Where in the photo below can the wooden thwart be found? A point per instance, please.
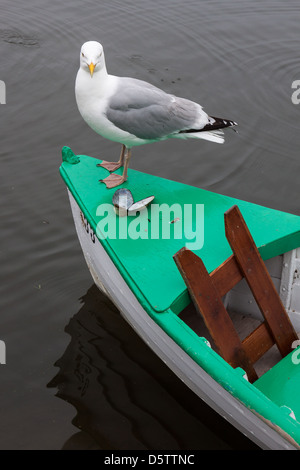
(207, 290)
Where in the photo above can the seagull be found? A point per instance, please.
(134, 112)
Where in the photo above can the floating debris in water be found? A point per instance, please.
(124, 204)
(17, 37)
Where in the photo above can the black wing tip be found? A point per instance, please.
(221, 123)
(213, 125)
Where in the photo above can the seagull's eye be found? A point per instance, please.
(82, 54)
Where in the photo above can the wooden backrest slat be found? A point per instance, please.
(207, 291)
(259, 280)
(208, 302)
(227, 275)
(258, 342)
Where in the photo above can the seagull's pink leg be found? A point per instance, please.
(113, 166)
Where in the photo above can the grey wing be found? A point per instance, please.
(149, 113)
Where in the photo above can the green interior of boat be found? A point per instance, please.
(282, 383)
(148, 267)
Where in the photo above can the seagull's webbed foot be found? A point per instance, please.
(110, 166)
(113, 180)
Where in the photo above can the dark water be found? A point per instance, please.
(77, 377)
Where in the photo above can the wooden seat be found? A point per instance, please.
(207, 290)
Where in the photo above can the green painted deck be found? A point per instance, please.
(147, 264)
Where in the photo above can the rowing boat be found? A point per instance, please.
(139, 262)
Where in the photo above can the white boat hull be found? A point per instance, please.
(108, 279)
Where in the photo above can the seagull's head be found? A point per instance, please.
(92, 57)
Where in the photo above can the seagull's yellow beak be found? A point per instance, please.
(92, 68)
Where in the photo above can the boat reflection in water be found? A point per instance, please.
(125, 397)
